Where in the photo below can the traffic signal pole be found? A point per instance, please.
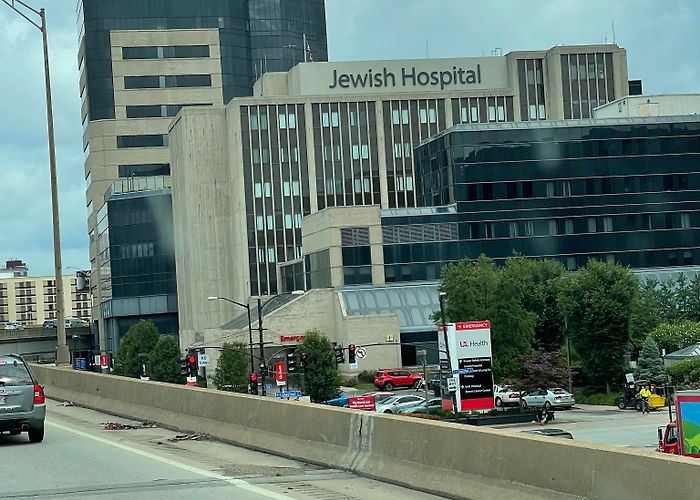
(263, 365)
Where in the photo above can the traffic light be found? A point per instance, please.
(339, 354)
(351, 354)
(254, 383)
(184, 366)
(303, 361)
(292, 362)
(192, 365)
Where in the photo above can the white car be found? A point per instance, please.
(14, 326)
(395, 403)
(504, 395)
(549, 398)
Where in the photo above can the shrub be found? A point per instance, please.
(687, 370)
(366, 376)
(348, 381)
(596, 398)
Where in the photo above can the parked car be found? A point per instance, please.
(504, 395)
(396, 403)
(549, 398)
(50, 323)
(72, 322)
(387, 379)
(14, 325)
(551, 433)
(433, 407)
(342, 400)
(22, 400)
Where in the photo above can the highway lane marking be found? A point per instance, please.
(239, 483)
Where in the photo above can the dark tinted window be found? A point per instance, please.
(144, 170)
(141, 141)
(168, 52)
(14, 373)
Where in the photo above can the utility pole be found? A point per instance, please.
(62, 351)
(263, 365)
(447, 349)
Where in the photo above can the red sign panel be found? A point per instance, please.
(365, 403)
(280, 372)
(292, 338)
(103, 360)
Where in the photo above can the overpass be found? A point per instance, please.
(443, 458)
(40, 343)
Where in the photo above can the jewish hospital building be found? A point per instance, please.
(339, 135)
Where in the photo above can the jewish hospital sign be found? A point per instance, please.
(470, 364)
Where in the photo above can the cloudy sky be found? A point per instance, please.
(661, 37)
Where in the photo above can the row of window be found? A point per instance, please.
(568, 226)
(263, 155)
(166, 81)
(575, 187)
(401, 117)
(144, 170)
(165, 52)
(551, 150)
(142, 141)
(270, 219)
(335, 153)
(271, 254)
(284, 120)
(261, 189)
(157, 110)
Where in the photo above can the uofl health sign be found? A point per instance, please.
(419, 76)
(470, 364)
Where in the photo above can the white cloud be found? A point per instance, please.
(662, 42)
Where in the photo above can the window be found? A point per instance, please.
(256, 156)
(287, 221)
(365, 151)
(397, 150)
(285, 188)
(337, 152)
(282, 118)
(295, 188)
(464, 114)
(259, 223)
(352, 118)
(492, 113)
(271, 254)
(395, 116)
(607, 224)
(475, 114)
(297, 220)
(165, 52)
(409, 183)
(550, 189)
(358, 186)
(334, 118)
(433, 115)
(325, 121)
(144, 170)
(263, 121)
(407, 150)
(253, 122)
(294, 154)
(355, 152)
(292, 120)
(501, 113)
(166, 81)
(270, 222)
(283, 154)
(591, 225)
(142, 141)
(423, 114)
(268, 190)
(265, 155)
(404, 116)
(533, 112)
(685, 220)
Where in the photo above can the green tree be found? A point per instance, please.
(596, 302)
(684, 371)
(650, 366)
(231, 372)
(164, 361)
(478, 290)
(674, 336)
(645, 312)
(539, 280)
(135, 347)
(321, 379)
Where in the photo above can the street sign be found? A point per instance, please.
(365, 403)
(191, 380)
(280, 373)
(103, 360)
(360, 352)
(288, 394)
(203, 360)
(451, 384)
(462, 371)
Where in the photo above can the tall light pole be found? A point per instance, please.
(62, 351)
(250, 328)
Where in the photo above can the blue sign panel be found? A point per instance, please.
(288, 394)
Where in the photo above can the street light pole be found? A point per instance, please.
(250, 328)
(62, 351)
(447, 348)
(263, 365)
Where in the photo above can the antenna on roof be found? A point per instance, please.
(613, 31)
(427, 50)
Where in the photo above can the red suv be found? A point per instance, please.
(386, 380)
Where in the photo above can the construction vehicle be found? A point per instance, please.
(631, 399)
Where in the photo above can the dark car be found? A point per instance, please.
(50, 323)
(22, 400)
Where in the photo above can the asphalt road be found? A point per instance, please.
(79, 459)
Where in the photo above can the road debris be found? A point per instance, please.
(186, 437)
(66, 403)
(118, 426)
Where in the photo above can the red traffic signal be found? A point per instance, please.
(254, 377)
(192, 359)
(351, 354)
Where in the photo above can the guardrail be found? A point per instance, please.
(39, 333)
(453, 460)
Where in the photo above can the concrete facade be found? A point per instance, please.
(317, 137)
(650, 105)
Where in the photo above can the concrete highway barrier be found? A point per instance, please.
(453, 460)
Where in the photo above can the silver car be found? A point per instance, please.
(548, 398)
(395, 403)
(22, 400)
